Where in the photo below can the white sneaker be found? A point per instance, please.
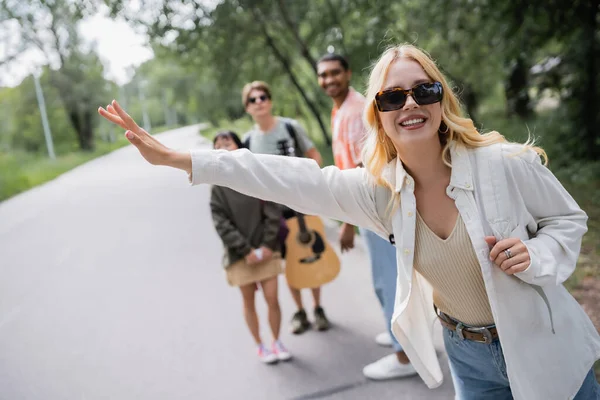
(384, 339)
(266, 356)
(388, 367)
(281, 352)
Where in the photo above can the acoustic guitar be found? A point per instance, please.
(310, 260)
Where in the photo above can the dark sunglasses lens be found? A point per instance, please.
(262, 97)
(428, 93)
(391, 101)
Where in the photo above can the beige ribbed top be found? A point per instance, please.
(451, 267)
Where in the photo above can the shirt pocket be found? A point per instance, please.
(520, 231)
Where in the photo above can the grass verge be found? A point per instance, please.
(20, 171)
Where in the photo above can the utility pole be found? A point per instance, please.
(166, 109)
(42, 106)
(123, 98)
(174, 116)
(146, 118)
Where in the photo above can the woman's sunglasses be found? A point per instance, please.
(395, 98)
(262, 97)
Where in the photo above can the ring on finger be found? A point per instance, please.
(508, 253)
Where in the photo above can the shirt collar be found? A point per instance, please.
(461, 175)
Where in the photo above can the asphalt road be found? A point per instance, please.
(111, 288)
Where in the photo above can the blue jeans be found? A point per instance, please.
(479, 371)
(384, 271)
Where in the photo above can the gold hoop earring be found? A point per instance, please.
(445, 130)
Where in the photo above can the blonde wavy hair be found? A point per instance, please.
(379, 150)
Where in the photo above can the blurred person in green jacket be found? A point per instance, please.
(249, 228)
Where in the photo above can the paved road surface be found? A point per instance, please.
(111, 288)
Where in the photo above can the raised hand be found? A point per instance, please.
(151, 149)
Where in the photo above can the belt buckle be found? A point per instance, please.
(459, 330)
(487, 335)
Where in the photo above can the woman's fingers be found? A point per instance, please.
(112, 110)
(147, 150)
(115, 119)
(517, 268)
(133, 138)
(115, 114)
(502, 245)
(158, 154)
(508, 263)
(129, 122)
(132, 125)
(519, 258)
(149, 147)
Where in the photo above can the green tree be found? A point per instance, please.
(498, 56)
(51, 27)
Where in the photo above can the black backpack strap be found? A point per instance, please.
(246, 143)
(292, 132)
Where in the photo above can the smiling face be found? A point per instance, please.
(259, 103)
(412, 124)
(333, 78)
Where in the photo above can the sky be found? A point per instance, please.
(119, 47)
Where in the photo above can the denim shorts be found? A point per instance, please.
(479, 371)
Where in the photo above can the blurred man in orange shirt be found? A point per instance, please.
(348, 133)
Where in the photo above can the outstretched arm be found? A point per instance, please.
(296, 182)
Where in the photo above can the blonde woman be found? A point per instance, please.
(485, 234)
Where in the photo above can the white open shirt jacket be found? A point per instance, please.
(549, 343)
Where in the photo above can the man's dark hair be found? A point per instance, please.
(335, 57)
